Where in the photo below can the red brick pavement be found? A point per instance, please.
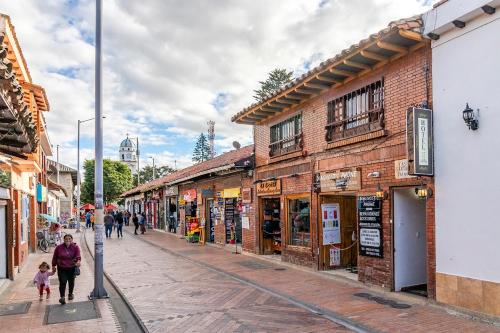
(326, 293)
(21, 290)
(172, 294)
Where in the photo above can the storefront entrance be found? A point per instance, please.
(337, 223)
(3, 242)
(271, 226)
(410, 242)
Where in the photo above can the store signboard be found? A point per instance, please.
(401, 169)
(370, 226)
(246, 195)
(207, 193)
(339, 180)
(330, 216)
(41, 193)
(419, 141)
(171, 191)
(189, 195)
(231, 192)
(270, 187)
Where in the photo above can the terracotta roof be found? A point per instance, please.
(342, 62)
(225, 159)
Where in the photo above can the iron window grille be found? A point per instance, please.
(358, 112)
(286, 136)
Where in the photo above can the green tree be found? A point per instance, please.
(146, 173)
(277, 78)
(117, 179)
(201, 151)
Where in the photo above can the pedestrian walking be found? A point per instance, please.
(142, 223)
(126, 218)
(119, 224)
(65, 260)
(41, 279)
(92, 221)
(109, 221)
(87, 219)
(135, 221)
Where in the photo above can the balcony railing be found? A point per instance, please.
(356, 125)
(285, 146)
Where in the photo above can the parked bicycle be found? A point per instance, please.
(47, 239)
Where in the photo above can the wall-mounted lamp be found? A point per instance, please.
(381, 194)
(374, 174)
(294, 175)
(423, 192)
(470, 118)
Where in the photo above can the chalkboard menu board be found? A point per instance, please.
(370, 226)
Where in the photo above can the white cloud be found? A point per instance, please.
(166, 62)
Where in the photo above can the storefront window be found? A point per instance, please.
(299, 222)
(25, 214)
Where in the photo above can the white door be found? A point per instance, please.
(3, 244)
(410, 239)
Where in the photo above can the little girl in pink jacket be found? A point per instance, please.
(41, 279)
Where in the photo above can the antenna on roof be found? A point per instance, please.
(211, 137)
(236, 145)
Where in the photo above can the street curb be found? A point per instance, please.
(327, 314)
(120, 293)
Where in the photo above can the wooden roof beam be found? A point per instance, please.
(283, 101)
(373, 56)
(323, 78)
(278, 104)
(294, 98)
(270, 109)
(411, 35)
(341, 72)
(356, 64)
(316, 86)
(391, 47)
(304, 91)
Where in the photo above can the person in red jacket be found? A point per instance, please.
(66, 258)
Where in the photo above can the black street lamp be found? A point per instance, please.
(470, 118)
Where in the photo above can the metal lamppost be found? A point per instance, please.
(154, 169)
(99, 291)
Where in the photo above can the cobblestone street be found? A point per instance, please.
(179, 287)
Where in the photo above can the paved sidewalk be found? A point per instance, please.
(329, 295)
(22, 290)
(172, 294)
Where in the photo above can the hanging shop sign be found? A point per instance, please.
(41, 193)
(419, 141)
(401, 169)
(339, 180)
(246, 195)
(330, 216)
(189, 195)
(270, 187)
(171, 191)
(370, 226)
(231, 192)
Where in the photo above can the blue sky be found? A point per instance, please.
(168, 69)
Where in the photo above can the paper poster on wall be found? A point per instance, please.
(334, 256)
(330, 216)
(245, 222)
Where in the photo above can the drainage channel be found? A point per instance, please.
(126, 315)
(324, 313)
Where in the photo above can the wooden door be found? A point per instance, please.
(348, 226)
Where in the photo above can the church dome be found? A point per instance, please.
(127, 143)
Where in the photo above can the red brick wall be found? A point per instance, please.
(404, 86)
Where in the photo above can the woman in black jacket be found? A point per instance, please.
(135, 220)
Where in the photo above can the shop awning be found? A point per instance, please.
(87, 207)
(49, 218)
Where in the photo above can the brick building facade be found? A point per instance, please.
(334, 137)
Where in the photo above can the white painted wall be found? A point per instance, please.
(466, 68)
(410, 239)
